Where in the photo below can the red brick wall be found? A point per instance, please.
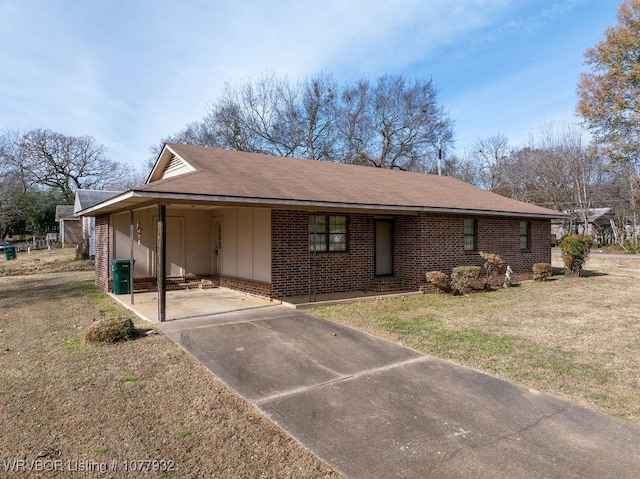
(438, 241)
(331, 272)
(255, 288)
(102, 252)
(421, 243)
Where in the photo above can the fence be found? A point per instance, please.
(38, 242)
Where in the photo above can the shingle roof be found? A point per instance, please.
(64, 212)
(88, 198)
(271, 179)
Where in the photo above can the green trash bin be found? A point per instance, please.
(121, 273)
(10, 252)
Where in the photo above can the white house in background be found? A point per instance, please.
(86, 199)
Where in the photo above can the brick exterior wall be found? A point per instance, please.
(436, 243)
(102, 252)
(254, 288)
(421, 243)
(293, 268)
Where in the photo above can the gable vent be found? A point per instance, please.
(176, 166)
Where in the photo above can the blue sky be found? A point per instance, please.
(129, 72)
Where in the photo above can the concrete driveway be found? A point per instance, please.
(374, 409)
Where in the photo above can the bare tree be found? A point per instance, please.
(392, 124)
(45, 158)
(556, 170)
(490, 155)
(317, 121)
(458, 167)
(258, 116)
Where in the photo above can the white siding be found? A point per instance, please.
(246, 239)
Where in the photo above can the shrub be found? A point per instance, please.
(631, 248)
(541, 271)
(462, 277)
(575, 251)
(494, 266)
(111, 330)
(440, 281)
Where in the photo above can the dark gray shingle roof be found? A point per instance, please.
(88, 198)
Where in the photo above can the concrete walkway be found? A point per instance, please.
(374, 409)
(191, 303)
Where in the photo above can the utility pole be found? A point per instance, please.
(439, 156)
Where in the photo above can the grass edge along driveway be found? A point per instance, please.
(140, 407)
(573, 338)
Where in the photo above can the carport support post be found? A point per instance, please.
(132, 260)
(161, 262)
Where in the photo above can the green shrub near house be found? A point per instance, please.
(575, 251)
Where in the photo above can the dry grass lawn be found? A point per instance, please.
(74, 406)
(43, 261)
(574, 338)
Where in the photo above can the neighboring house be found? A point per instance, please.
(600, 225)
(69, 225)
(86, 199)
(281, 227)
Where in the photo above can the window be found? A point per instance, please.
(470, 235)
(525, 235)
(327, 233)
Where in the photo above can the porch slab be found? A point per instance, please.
(192, 303)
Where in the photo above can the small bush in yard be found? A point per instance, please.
(575, 251)
(111, 330)
(541, 271)
(462, 277)
(440, 281)
(494, 266)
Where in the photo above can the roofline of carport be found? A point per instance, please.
(146, 198)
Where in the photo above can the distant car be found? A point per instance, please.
(4, 243)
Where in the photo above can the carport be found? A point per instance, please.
(192, 303)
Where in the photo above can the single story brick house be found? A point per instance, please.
(281, 227)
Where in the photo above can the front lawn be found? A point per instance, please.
(574, 338)
(141, 408)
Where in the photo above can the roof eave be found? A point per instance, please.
(144, 196)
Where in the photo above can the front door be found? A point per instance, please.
(384, 247)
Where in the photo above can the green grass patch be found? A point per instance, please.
(73, 345)
(504, 332)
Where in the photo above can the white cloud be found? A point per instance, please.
(129, 73)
